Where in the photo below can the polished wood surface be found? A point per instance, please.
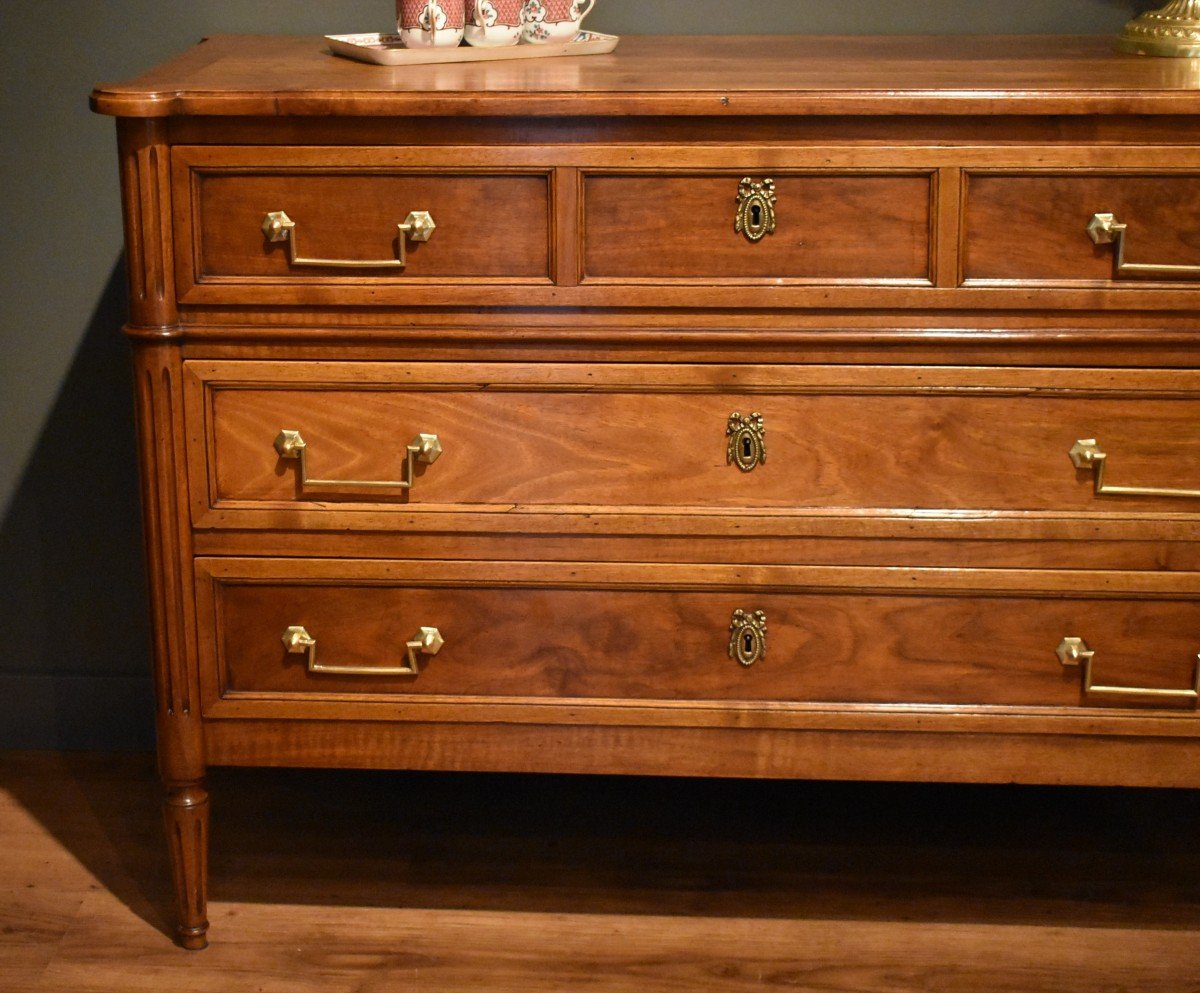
(927, 333)
(343, 216)
(830, 228)
(552, 643)
(655, 436)
(1010, 235)
(248, 75)
(345, 882)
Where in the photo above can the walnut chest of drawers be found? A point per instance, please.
(720, 407)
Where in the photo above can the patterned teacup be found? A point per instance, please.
(430, 23)
(554, 20)
(495, 22)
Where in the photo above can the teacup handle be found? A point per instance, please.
(480, 20)
(586, 9)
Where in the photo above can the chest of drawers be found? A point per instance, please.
(831, 413)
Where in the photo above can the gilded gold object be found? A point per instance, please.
(426, 448)
(1173, 31)
(418, 226)
(748, 637)
(746, 445)
(1086, 453)
(427, 641)
(1105, 229)
(1075, 652)
(756, 208)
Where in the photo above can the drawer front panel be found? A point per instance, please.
(658, 437)
(538, 633)
(1033, 228)
(348, 213)
(828, 228)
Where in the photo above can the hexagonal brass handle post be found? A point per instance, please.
(1105, 229)
(418, 226)
(1086, 453)
(1073, 651)
(424, 448)
(427, 641)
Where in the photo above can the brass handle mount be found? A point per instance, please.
(1105, 229)
(418, 226)
(426, 448)
(427, 641)
(748, 637)
(1086, 453)
(1073, 651)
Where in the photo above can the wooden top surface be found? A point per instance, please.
(718, 76)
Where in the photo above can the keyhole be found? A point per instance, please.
(747, 448)
(755, 215)
(748, 643)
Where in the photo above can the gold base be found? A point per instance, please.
(1173, 31)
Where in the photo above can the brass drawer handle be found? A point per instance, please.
(418, 226)
(1075, 651)
(1105, 229)
(748, 637)
(1087, 454)
(746, 446)
(423, 448)
(427, 641)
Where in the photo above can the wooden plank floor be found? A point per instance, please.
(372, 882)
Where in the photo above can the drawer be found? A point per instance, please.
(658, 438)
(828, 228)
(1035, 227)
(286, 632)
(337, 223)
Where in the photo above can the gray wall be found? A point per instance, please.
(73, 657)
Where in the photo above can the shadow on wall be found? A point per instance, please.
(74, 672)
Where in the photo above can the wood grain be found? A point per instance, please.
(1011, 236)
(536, 883)
(774, 76)
(672, 646)
(829, 228)
(926, 334)
(616, 441)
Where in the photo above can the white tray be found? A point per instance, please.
(386, 49)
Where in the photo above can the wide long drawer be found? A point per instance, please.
(329, 440)
(299, 636)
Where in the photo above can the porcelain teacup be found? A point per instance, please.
(495, 23)
(430, 23)
(554, 21)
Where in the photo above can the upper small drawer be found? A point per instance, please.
(1039, 228)
(814, 227)
(331, 226)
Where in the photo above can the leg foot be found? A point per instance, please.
(186, 815)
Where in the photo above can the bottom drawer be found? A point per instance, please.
(576, 633)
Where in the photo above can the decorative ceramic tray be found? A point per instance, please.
(386, 49)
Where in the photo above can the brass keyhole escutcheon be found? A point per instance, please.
(748, 637)
(756, 209)
(747, 446)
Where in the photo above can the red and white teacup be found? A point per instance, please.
(494, 23)
(554, 21)
(430, 23)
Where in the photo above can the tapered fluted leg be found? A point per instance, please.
(186, 814)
